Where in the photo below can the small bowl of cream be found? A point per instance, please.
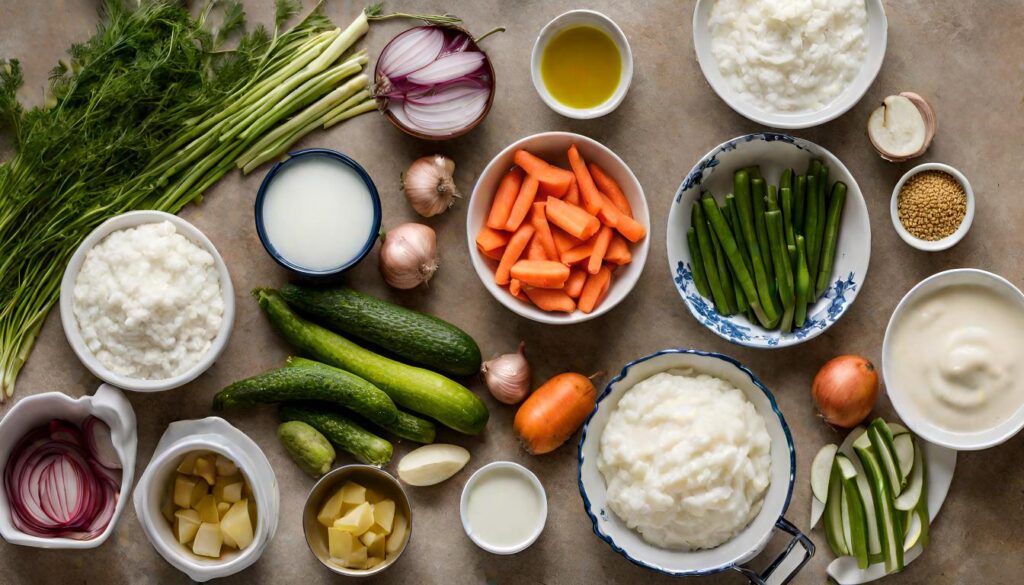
(318, 213)
(503, 508)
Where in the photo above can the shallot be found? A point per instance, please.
(429, 185)
(408, 257)
(508, 376)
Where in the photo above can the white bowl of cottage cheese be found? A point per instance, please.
(686, 467)
(147, 302)
(790, 63)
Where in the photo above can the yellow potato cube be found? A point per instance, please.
(373, 497)
(384, 514)
(357, 558)
(368, 538)
(237, 524)
(252, 508)
(205, 469)
(340, 544)
(225, 466)
(358, 521)
(398, 533)
(331, 510)
(183, 487)
(228, 542)
(167, 502)
(188, 463)
(375, 548)
(223, 482)
(207, 508)
(199, 491)
(353, 493)
(232, 492)
(186, 525)
(373, 562)
(222, 508)
(208, 540)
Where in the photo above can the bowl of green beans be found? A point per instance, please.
(768, 240)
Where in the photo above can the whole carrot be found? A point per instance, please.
(554, 412)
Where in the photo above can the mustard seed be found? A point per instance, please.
(931, 205)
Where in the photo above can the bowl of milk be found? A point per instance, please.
(318, 213)
(503, 508)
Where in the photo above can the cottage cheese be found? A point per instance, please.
(789, 55)
(686, 460)
(148, 302)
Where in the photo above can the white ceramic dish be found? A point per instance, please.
(877, 34)
(948, 241)
(774, 152)
(464, 501)
(107, 404)
(70, 322)
(553, 146)
(748, 543)
(582, 18)
(217, 435)
(908, 412)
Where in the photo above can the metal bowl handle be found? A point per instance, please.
(769, 576)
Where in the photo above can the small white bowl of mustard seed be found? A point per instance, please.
(932, 207)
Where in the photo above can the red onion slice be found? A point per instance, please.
(448, 68)
(421, 52)
(100, 443)
(448, 116)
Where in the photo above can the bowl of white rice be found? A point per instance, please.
(790, 63)
(686, 467)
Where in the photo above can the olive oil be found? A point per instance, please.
(581, 67)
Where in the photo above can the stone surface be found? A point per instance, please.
(964, 56)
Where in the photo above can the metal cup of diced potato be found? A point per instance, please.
(352, 502)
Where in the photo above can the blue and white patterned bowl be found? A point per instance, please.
(752, 539)
(774, 152)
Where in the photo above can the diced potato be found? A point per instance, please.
(222, 508)
(232, 492)
(398, 533)
(373, 497)
(331, 510)
(186, 525)
(353, 493)
(207, 508)
(384, 514)
(205, 469)
(237, 523)
(340, 544)
(252, 507)
(208, 540)
(376, 547)
(358, 520)
(228, 542)
(373, 562)
(183, 487)
(357, 558)
(368, 538)
(167, 502)
(223, 482)
(188, 462)
(225, 466)
(199, 491)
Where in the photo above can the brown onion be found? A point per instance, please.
(845, 389)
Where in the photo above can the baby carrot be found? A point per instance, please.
(539, 221)
(574, 285)
(609, 187)
(513, 251)
(553, 412)
(579, 253)
(626, 225)
(515, 287)
(535, 251)
(548, 299)
(591, 197)
(553, 180)
(601, 243)
(618, 251)
(494, 254)
(489, 239)
(541, 273)
(523, 204)
(504, 199)
(573, 196)
(574, 220)
(595, 289)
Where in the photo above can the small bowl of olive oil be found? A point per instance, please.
(582, 64)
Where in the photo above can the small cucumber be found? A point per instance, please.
(307, 447)
(365, 446)
(888, 523)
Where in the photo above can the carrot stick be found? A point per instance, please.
(504, 199)
(579, 253)
(573, 196)
(520, 295)
(595, 289)
(489, 239)
(494, 254)
(513, 251)
(548, 299)
(574, 285)
(553, 412)
(541, 273)
(523, 204)
(535, 251)
(574, 220)
(539, 221)
(591, 197)
(626, 225)
(608, 214)
(618, 251)
(563, 241)
(515, 286)
(601, 242)
(609, 187)
(553, 180)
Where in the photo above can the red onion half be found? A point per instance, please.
(57, 483)
(434, 82)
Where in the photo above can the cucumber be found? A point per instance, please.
(888, 523)
(405, 425)
(417, 389)
(834, 513)
(365, 446)
(307, 447)
(337, 386)
(855, 524)
(910, 497)
(415, 337)
(881, 440)
(904, 446)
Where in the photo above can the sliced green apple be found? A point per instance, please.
(904, 446)
(888, 523)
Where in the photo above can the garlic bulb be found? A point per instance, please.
(508, 376)
(408, 257)
(902, 128)
(429, 186)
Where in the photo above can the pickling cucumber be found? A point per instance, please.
(308, 447)
(417, 389)
(415, 337)
(365, 446)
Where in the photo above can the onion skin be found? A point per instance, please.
(845, 390)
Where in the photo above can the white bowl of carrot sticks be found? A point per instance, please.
(558, 228)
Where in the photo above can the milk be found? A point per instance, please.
(504, 508)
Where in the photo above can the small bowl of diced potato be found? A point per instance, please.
(357, 520)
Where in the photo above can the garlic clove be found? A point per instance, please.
(897, 129)
(929, 117)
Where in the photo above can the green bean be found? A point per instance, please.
(828, 246)
(700, 278)
(707, 252)
(787, 318)
(754, 171)
(786, 197)
(758, 196)
(811, 222)
(786, 182)
(724, 275)
(819, 240)
(780, 256)
(799, 191)
(732, 253)
(728, 210)
(772, 200)
(803, 282)
(741, 188)
(734, 225)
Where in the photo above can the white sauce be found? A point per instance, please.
(686, 460)
(789, 55)
(957, 353)
(148, 302)
(318, 213)
(503, 508)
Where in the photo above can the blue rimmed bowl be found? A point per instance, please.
(774, 153)
(731, 555)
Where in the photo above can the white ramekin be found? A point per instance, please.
(464, 507)
(948, 241)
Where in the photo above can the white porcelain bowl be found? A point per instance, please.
(107, 404)
(582, 18)
(553, 146)
(948, 241)
(905, 407)
(751, 540)
(877, 33)
(217, 435)
(70, 322)
(464, 505)
(774, 152)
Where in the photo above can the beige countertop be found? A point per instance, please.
(963, 56)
